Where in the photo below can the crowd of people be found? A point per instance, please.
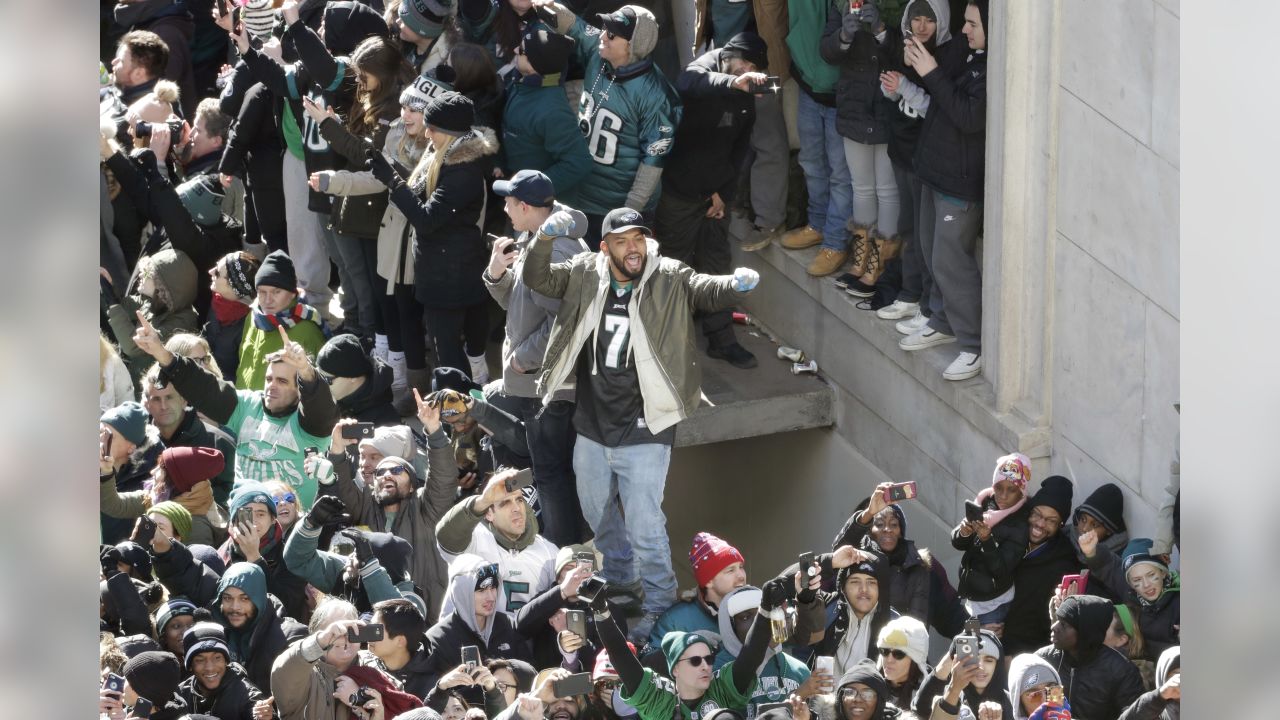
(317, 514)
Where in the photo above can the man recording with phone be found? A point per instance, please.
(377, 568)
(880, 520)
(499, 526)
(557, 620)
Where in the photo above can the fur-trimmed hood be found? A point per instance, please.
(479, 143)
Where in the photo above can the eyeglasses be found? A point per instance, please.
(286, 498)
(390, 470)
(865, 694)
(1044, 520)
(610, 34)
(697, 660)
(502, 687)
(896, 653)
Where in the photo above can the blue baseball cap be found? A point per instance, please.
(528, 186)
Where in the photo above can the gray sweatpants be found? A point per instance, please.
(948, 230)
(305, 232)
(917, 283)
(769, 169)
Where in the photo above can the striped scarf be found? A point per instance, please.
(288, 318)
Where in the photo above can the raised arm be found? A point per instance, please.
(206, 392)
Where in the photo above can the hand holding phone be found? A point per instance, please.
(470, 656)
(357, 431)
(519, 480)
(972, 511)
(900, 491)
(576, 684)
(807, 564)
(144, 531)
(366, 633)
(141, 708)
(576, 622)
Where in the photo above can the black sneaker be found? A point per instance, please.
(858, 289)
(735, 354)
(844, 281)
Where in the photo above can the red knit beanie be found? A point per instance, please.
(709, 555)
(186, 466)
(394, 701)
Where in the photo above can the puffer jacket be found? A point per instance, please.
(662, 328)
(951, 155)
(986, 568)
(449, 251)
(1098, 681)
(863, 113)
(530, 315)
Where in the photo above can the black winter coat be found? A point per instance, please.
(532, 622)
(1034, 579)
(447, 637)
(371, 402)
(986, 568)
(1156, 619)
(909, 573)
(233, 700)
(417, 676)
(714, 134)
(1098, 681)
(904, 122)
(358, 215)
(863, 113)
(951, 156)
(254, 147)
(449, 252)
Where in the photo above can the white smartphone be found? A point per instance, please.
(826, 664)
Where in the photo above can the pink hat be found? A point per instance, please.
(1014, 467)
(604, 667)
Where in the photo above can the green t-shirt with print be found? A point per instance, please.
(656, 698)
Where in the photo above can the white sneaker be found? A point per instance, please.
(479, 369)
(925, 337)
(965, 366)
(912, 324)
(898, 310)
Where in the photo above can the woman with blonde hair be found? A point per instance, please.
(114, 383)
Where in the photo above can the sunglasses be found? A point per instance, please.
(610, 34)
(391, 470)
(896, 653)
(286, 498)
(697, 660)
(865, 695)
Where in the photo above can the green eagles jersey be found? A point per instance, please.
(273, 448)
(656, 698)
(628, 121)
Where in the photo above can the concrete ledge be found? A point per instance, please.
(973, 399)
(764, 400)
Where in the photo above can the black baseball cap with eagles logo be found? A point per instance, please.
(620, 22)
(623, 219)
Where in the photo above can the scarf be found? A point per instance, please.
(227, 311)
(288, 318)
(993, 517)
(394, 700)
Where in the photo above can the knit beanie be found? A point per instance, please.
(1138, 559)
(1016, 468)
(984, 12)
(567, 553)
(176, 607)
(447, 378)
(250, 492)
(676, 642)
(392, 441)
(153, 675)
(134, 645)
(633, 23)
(240, 273)
(208, 556)
(604, 666)
(277, 271)
(451, 113)
(709, 555)
(909, 635)
(178, 516)
(1106, 505)
(1054, 492)
(418, 94)
(392, 552)
(204, 637)
(873, 567)
(186, 466)
(347, 24)
(129, 419)
(750, 47)
(202, 196)
(548, 52)
(134, 555)
(343, 356)
(427, 17)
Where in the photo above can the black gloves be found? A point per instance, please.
(870, 15)
(849, 26)
(325, 511)
(381, 167)
(364, 551)
(777, 591)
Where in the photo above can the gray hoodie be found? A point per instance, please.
(1027, 670)
(462, 591)
(530, 315)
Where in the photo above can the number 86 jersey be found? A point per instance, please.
(628, 118)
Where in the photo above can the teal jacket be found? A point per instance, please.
(686, 616)
(540, 132)
(304, 558)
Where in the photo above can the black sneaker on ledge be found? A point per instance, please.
(734, 354)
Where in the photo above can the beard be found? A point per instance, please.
(391, 498)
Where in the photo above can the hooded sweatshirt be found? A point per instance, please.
(1098, 680)
(1151, 706)
(256, 645)
(169, 309)
(457, 626)
(1027, 671)
(779, 675)
(849, 639)
(526, 565)
(912, 100)
(865, 672)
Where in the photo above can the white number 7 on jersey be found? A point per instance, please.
(620, 326)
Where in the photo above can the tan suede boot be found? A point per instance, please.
(858, 247)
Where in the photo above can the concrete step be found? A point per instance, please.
(763, 400)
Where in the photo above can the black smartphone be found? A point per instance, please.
(770, 84)
(585, 558)
(366, 632)
(522, 479)
(244, 517)
(114, 683)
(311, 450)
(806, 564)
(576, 684)
(576, 622)
(972, 511)
(470, 656)
(358, 431)
(591, 587)
(141, 708)
(145, 531)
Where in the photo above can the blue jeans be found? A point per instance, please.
(621, 493)
(826, 173)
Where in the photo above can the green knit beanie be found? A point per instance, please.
(179, 516)
(676, 642)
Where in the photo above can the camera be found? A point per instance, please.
(360, 697)
(142, 129)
